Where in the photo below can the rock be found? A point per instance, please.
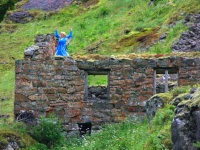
(185, 126)
(162, 37)
(20, 17)
(181, 126)
(127, 31)
(152, 105)
(4, 116)
(46, 5)
(187, 18)
(95, 92)
(31, 50)
(180, 98)
(189, 41)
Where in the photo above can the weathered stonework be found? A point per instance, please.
(47, 84)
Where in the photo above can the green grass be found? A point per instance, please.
(132, 134)
(105, 24)
(120, 136)
(97, 30)
(7, 94)
(94, 80)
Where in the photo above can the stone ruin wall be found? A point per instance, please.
(46, 84)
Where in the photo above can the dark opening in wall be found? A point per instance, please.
(97, 85)
(165, 79)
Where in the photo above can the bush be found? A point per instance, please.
(196, 145)
(38, 146)
(179, 90)
(48, 131)
(6, 5)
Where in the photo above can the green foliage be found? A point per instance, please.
(104, 11)
(38, 146)
(196, 145)
(98, 80)
(163, 116)
(48, 131)
(179, 90)
(160, 137)
(6, 5)
(126, 135)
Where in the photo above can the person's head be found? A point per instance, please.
(63, 34)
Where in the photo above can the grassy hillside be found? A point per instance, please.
(110, 27)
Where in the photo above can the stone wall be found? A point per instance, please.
(47, 84)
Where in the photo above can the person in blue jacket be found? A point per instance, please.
(63, 41)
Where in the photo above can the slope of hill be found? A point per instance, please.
(107, 27)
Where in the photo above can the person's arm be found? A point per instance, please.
(56, 33)
(70, 34)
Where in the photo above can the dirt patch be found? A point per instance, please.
(149, 37)
(91, 2)
(142, 39)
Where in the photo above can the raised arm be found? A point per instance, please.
(70, 34)
(56, 33)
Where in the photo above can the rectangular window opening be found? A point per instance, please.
(97, 85)
(165, 79)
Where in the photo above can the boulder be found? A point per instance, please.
(47, 5)
(31, 50)
(185, 126)
(153, 104)
(20, 17)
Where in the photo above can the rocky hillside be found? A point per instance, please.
(190, 40)
(185, 131)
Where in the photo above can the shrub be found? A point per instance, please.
(48, 131)
(179, 90)
(38, 146)
(196, 145)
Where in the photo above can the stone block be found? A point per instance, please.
(57, 63)
(21, 98)
(38, 83)
(38, 97)
(53, 97)
(72, 112)
(120, 104)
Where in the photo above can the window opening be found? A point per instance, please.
(165, 79)
(97, 85)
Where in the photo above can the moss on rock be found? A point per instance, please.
(15, 139)
(179, 98)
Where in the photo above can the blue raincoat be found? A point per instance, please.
(61, 49)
